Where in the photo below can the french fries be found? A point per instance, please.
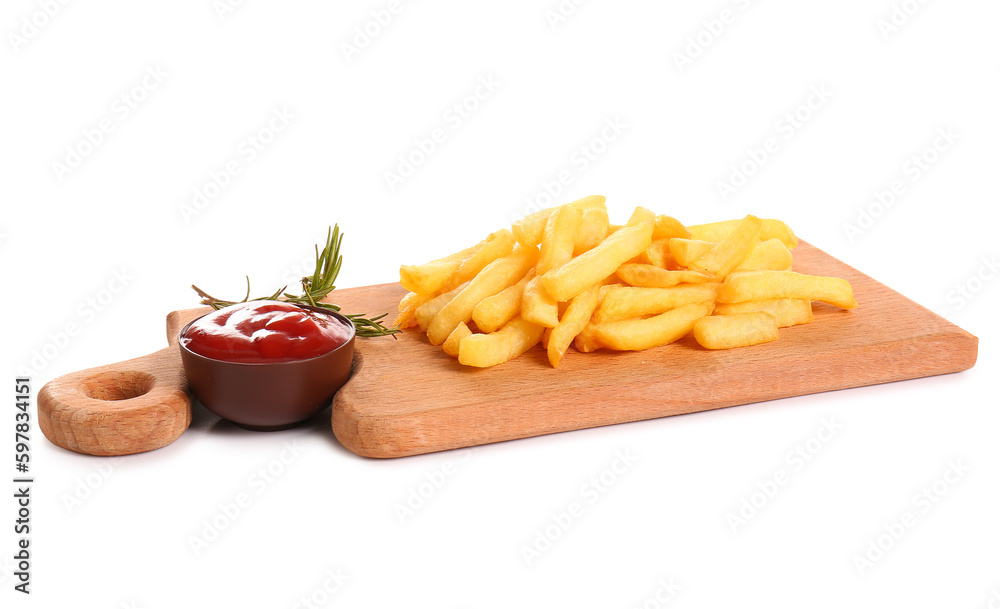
(494, 311)
(485, 350)
(787, 311)
(686, 251)
(649, 276)
(593, 229)
(537, 306)
(573, 321)
(426, 312)
(594, 266)
(453, 343)
(567, 276)
(626, 302)
(760, 285)
(408, 309)
(731, 251)
(530, 230)
(559, 238)
(497, 245)
(770, 255)
(429, 278)
(658, 254)
(770, 229)
(496, 276)
(662, 329)
(736, 330)
(666, 227)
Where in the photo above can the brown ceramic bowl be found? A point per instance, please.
(269, 396)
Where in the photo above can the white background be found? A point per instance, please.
(117, 533)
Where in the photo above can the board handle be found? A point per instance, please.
(121, 409)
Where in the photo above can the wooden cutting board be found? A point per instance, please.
(407, 397)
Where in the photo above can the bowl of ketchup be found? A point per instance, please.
(267, 365)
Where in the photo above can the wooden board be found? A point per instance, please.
(410, 397)
(407, 397)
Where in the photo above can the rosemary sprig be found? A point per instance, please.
(314, 289)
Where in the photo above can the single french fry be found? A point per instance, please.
(559, 238)
(658, 254)
(736, 330)
(431, 277)
(573, 321)
(649, 276)
(623, 302)
(593, 229)
(408, 309)
(642, 216)
(594, 266)
(731, 251)
(529, 230)
(668, 228)
(484, 350)
(497, 245)
(586, 340)
(537, 306)
(770, 255)
(770, 229)
(761, 285)
(787, 311)
(494, 311)
(662, 329)
(426, 312)
(451, 345)
(686, 251)
(497, 275)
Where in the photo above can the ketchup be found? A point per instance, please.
(265, 331)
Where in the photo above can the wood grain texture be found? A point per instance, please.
(407, 397)
(119, 409)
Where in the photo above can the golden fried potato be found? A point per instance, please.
(537, 306)
(736, 330)
(594, 266)
(497, 245)
(686, 251)
(662, 329)
(593, 229)
(770, 229)
(567, 275)
(731, 251)
(431, 277)
(484, 350)
(761, 285)
(408, 309)
(586, 341)
(649, 276)
(426, 312)
(494, 311)
(573, 321)
(787, 311)
(667, 228)
(770, 255)
(559, 238)
(658, 254)
(451, 345)
(623, 302)
(530, 230)
(497, 275)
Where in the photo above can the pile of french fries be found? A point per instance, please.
(565, 276)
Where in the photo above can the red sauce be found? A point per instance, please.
(265, 331)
